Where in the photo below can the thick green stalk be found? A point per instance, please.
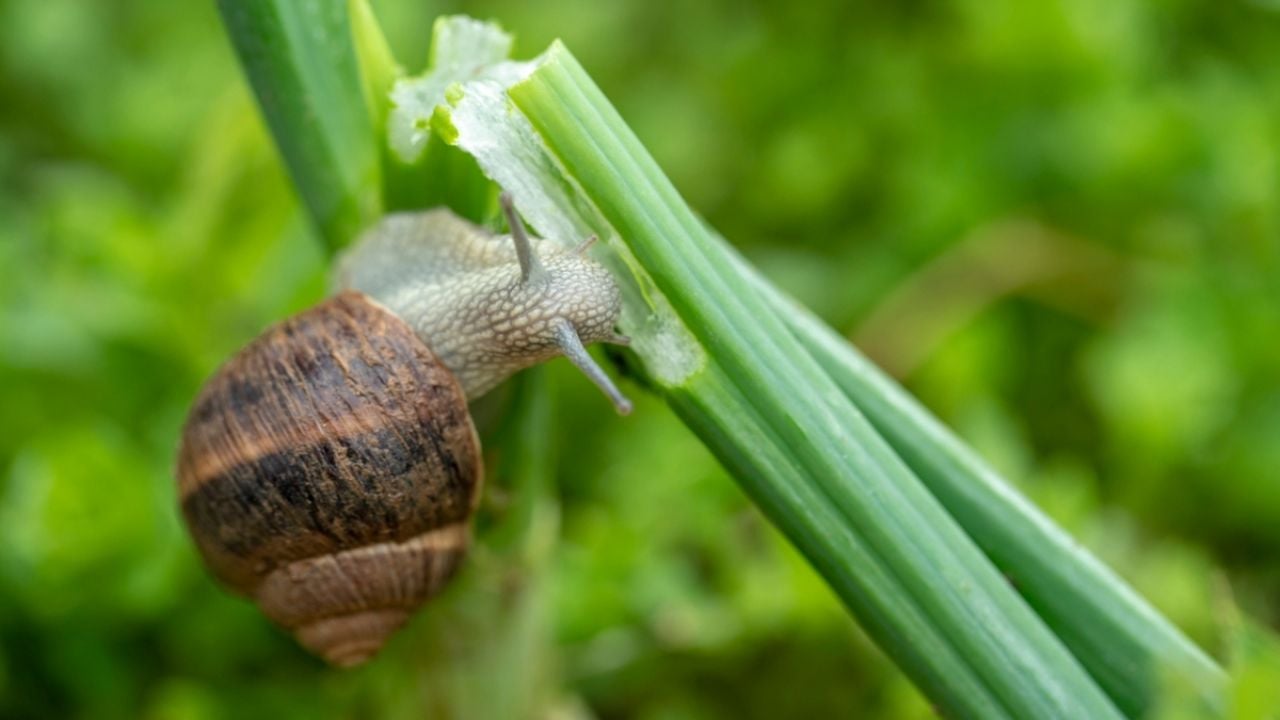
(1123, 642)
(299, 58)
(728, 423)
(806, 455)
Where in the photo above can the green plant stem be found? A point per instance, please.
(803, 452)
(299, 58)
(1123, 642)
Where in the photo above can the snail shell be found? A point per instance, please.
(328, 471)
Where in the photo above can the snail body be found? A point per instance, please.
(487, 308)
(329, 470)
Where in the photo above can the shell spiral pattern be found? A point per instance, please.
(329, 471)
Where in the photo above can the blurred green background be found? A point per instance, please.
(1057, 222)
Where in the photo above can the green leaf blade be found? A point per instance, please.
(299, 58)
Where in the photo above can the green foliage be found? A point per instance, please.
(864, 156)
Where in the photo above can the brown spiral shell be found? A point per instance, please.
(329, 471)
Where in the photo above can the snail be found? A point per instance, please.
(329, 470)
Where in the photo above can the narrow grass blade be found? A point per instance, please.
(299, 58)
